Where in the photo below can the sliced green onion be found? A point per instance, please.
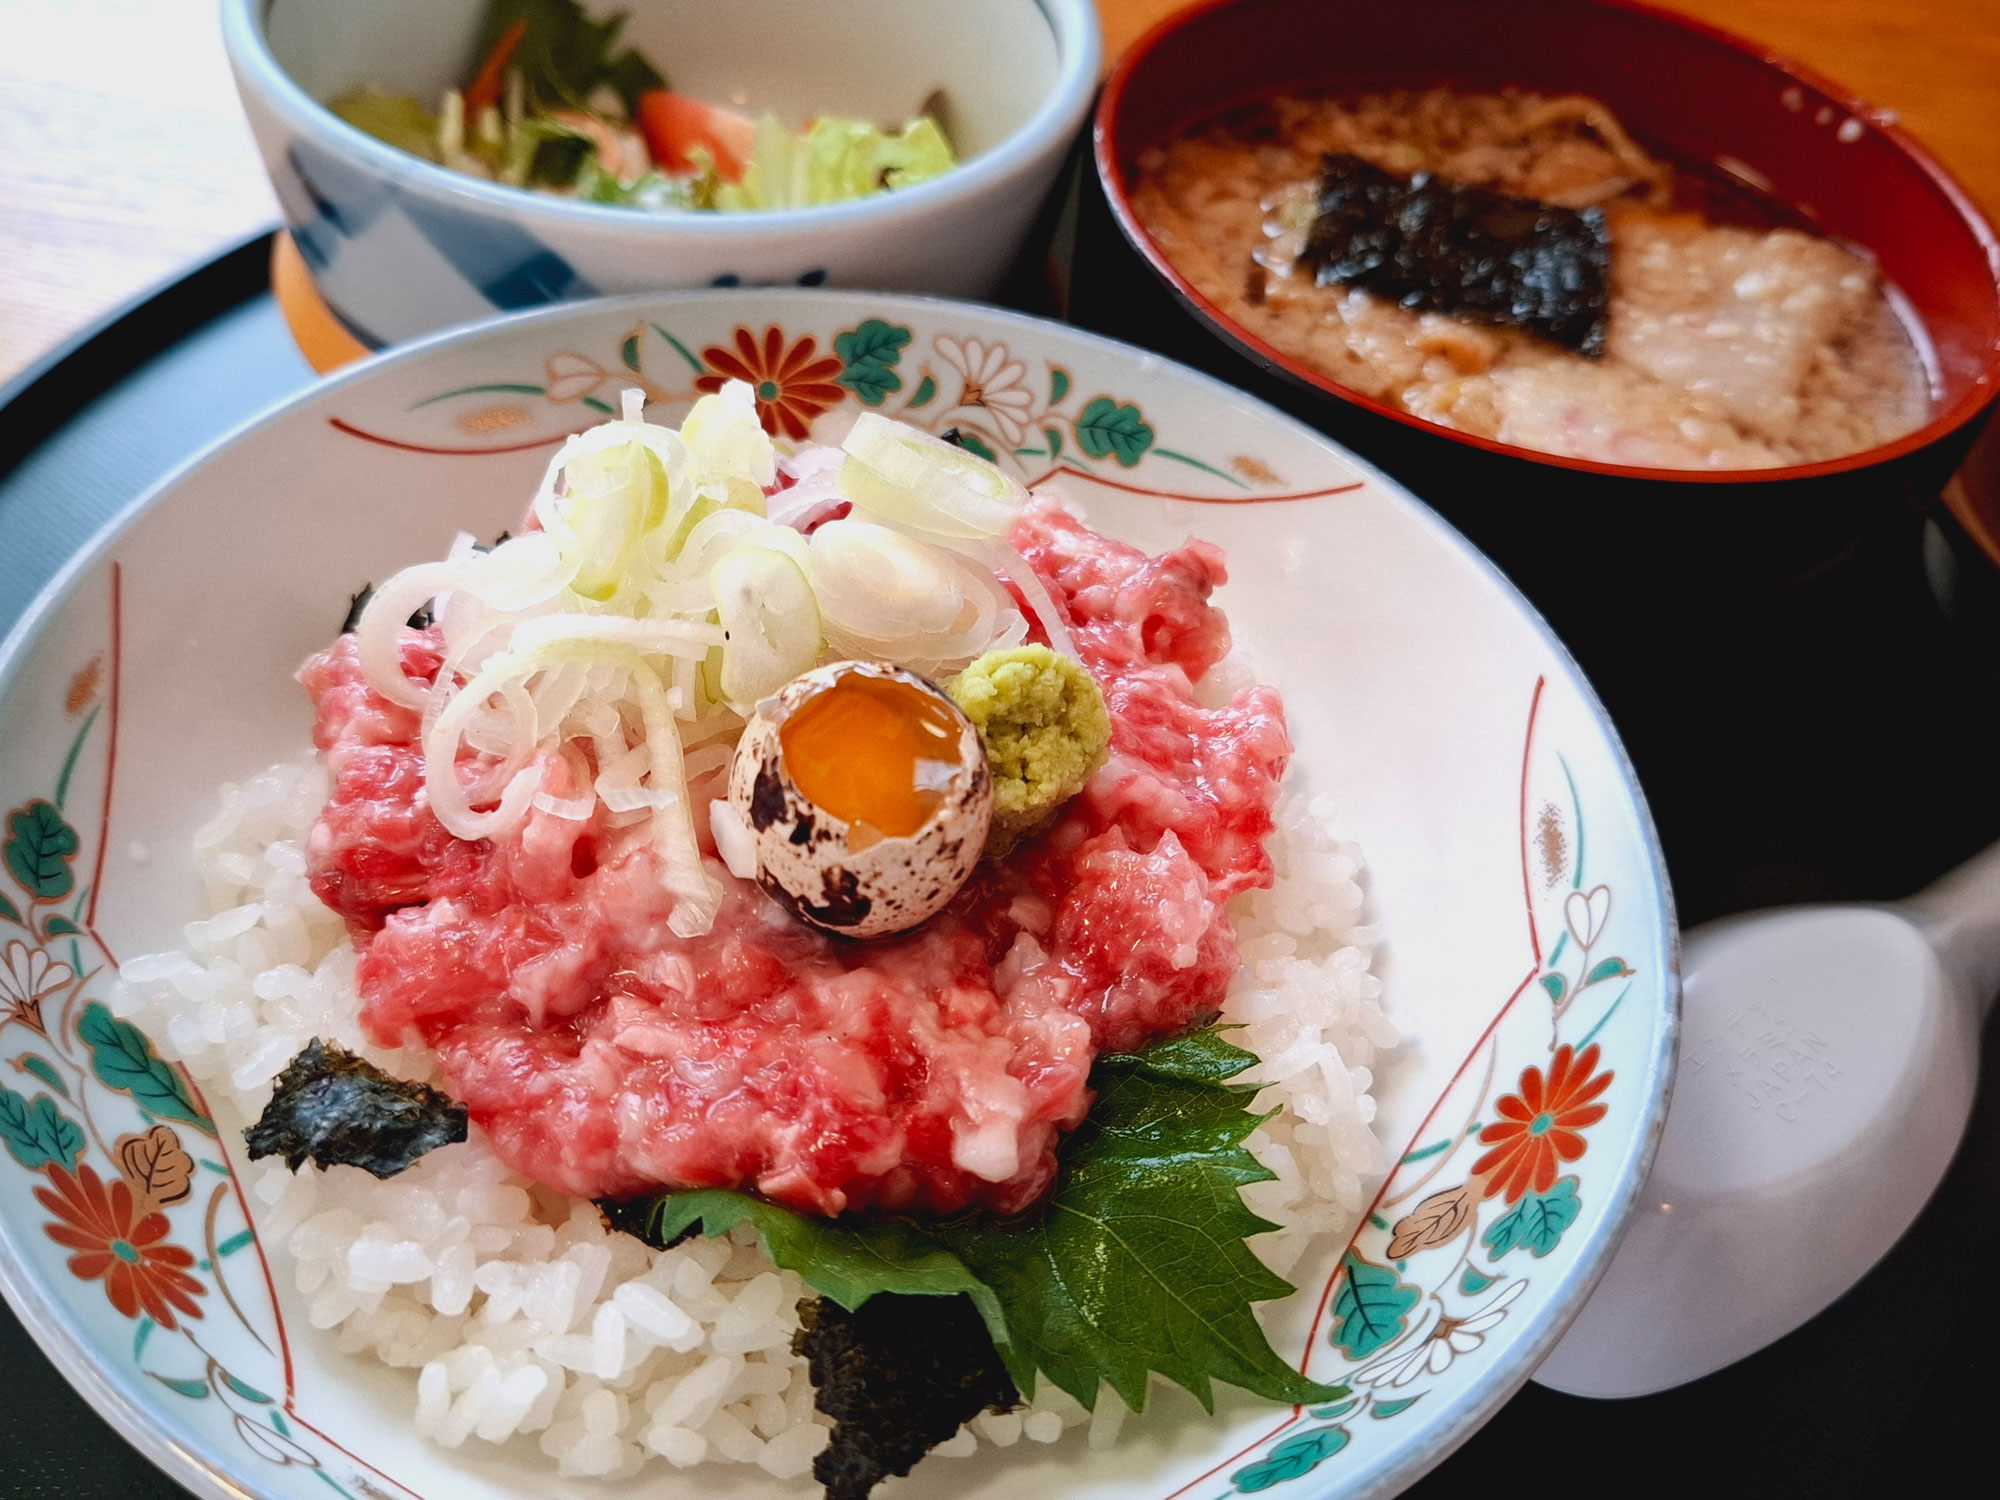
(690, 638)
(767, 606)
(615, 496)
(878, 582)
(926, 484)
(725, 436)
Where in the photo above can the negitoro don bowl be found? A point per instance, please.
(1513, 874)
(399, 246)
(1683, 88)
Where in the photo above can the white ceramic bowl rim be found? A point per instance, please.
(1079, 45)
(120, 1406)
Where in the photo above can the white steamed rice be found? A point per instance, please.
(522, 1315)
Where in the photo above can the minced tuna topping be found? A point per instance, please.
(934, 1071)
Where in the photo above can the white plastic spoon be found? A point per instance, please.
(1827, 1062)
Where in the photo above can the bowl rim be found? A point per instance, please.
(79, 1361)
(1984, 391)
(1073, 24)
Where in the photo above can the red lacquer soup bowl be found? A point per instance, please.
(1695, 94)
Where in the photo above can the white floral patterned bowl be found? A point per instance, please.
(399, 246)
(1512, 870)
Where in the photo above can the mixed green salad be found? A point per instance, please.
(558, 106)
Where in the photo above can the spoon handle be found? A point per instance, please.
(1960, 914)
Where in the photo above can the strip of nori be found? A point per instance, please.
(632, 1216)
(356, 603)
(1426, 242)
(337, 1110)
(419, 620)
(899, 1376)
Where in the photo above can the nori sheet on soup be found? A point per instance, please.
(334, 1109)
(898, 1376)
(1426, 242)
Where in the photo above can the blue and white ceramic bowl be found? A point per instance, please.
(400, 246)
(1526, 933)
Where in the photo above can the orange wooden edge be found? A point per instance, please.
(1975, 519)
(318, 333)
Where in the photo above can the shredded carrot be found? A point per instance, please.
(484, 92)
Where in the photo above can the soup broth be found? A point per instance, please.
(1735, 338)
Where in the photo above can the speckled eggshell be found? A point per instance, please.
(802, 854)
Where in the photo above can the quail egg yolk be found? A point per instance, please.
(873, 751)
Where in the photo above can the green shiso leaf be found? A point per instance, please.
(848, 1259)
(1136, 1263)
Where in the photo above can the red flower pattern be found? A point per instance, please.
(122, 1242)
(1538, 1127)
(792, 386)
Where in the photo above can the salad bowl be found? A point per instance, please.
(1527, 946)
(399, 246)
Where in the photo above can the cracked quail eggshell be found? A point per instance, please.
(803, 854)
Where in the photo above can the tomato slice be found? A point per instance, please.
(675, 124)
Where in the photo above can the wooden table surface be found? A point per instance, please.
(124, 156)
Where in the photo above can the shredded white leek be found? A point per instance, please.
(378, 637)
(598, 664)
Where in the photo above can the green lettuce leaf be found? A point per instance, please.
(1135, 1264)
(837, 160)
(852, 158)
(396, 119)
